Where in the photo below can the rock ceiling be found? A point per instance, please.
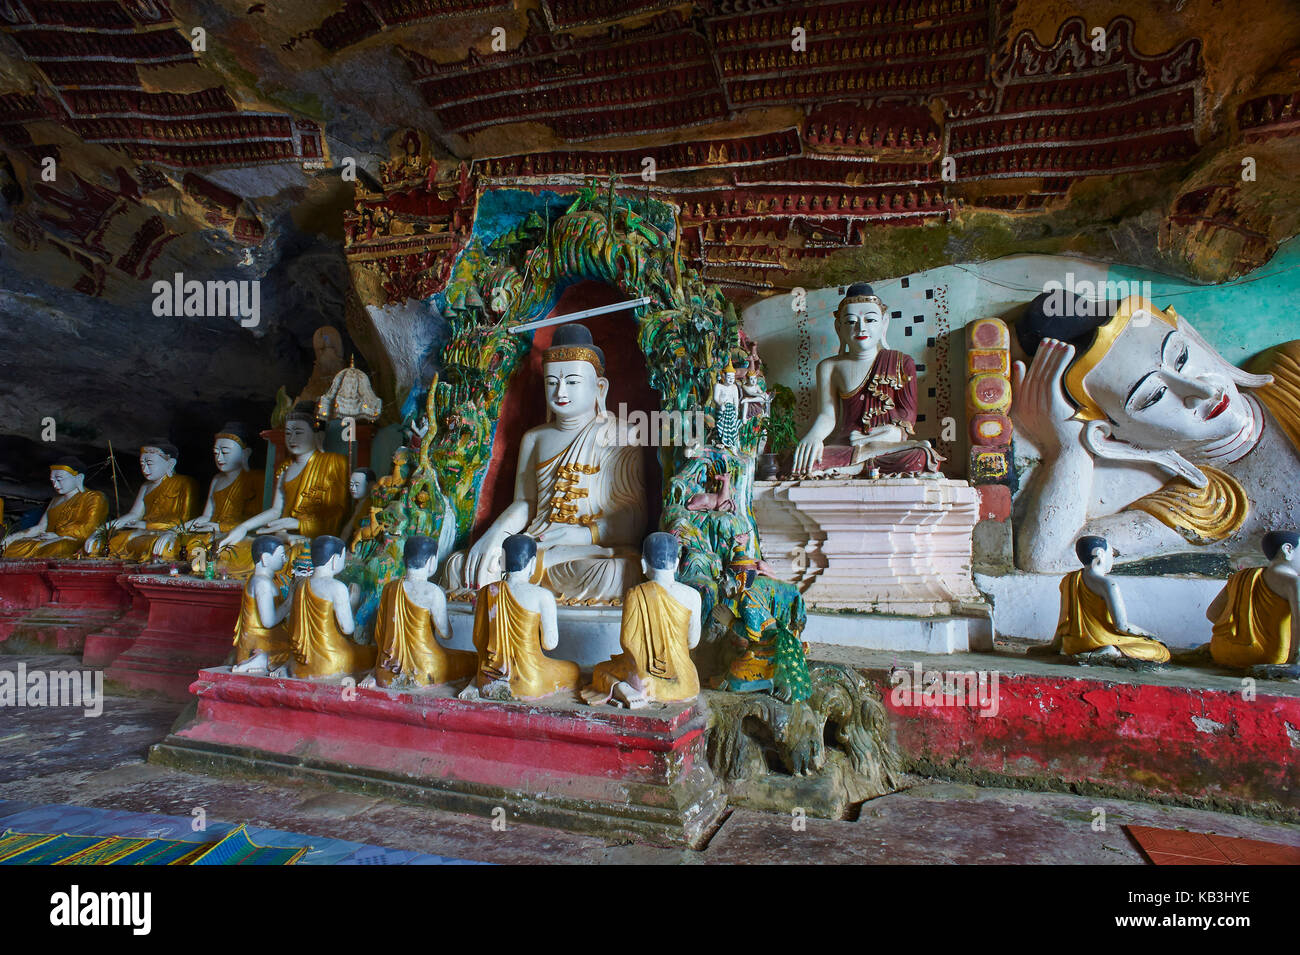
(803, 142)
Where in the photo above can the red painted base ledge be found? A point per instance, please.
(1213, 748)
(85, 597)
(584, 768)
(190, 626)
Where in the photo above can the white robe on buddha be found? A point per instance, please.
(597, 475)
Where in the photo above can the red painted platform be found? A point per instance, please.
(1080, 731)
(85, 597)
(23, 588)
(641, 775)
(191, 626)
(105, 645)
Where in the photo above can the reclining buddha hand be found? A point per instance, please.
(1041, 408)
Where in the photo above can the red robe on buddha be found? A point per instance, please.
(887, 396)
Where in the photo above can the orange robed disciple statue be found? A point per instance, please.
(661, 624)
(1255, 616)
(311, 497)
(412, 614)
(1094, 625)
(321, 620)
(234, 495)
(165, 502)
(71, 518)
(261, 632)
(514, 622)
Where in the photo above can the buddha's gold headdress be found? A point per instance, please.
(857, 293)
(233, 431)
(1103, 341)
(573, 343)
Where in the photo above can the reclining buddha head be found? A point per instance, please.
(861, 320)
(573, 376)
(158, 460)
(1149, 386)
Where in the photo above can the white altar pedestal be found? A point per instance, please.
(891, 555)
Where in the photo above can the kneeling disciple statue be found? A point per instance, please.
(234, 495)
(412, 614)
(261, 633)
(514, 622)
(1256, 614)
(321, 619)
(165, 502)
(1094, 625)
(70, 519)
(866, 401)
(579, 489)
(661, 625)
(311, 496)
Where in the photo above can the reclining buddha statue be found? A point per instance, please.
(579, 489)
(1147, 436)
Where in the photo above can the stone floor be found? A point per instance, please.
(54, 755)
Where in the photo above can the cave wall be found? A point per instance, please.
(337, 153)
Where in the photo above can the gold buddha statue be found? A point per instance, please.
(1094, 625)
(67, 523)
(1255, 616)
(261, 632)
(661, 624)
(412, 614)
(166, 501)
(311, 497)
(514, 622)
(321, 620)
(234, 495)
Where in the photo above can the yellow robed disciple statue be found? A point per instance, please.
(412, 614)
(579, 489)
(514, 622)
(71, 518)
(661, 625)
(234, 495)
(1094, 625)
(1255, 616)
(311, 497)
(321, 620)
(262, 631)
(165, 502)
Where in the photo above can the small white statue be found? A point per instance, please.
(350, 396)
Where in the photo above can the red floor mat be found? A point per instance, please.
(1179, 847)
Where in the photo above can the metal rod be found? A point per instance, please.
(585, 313)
